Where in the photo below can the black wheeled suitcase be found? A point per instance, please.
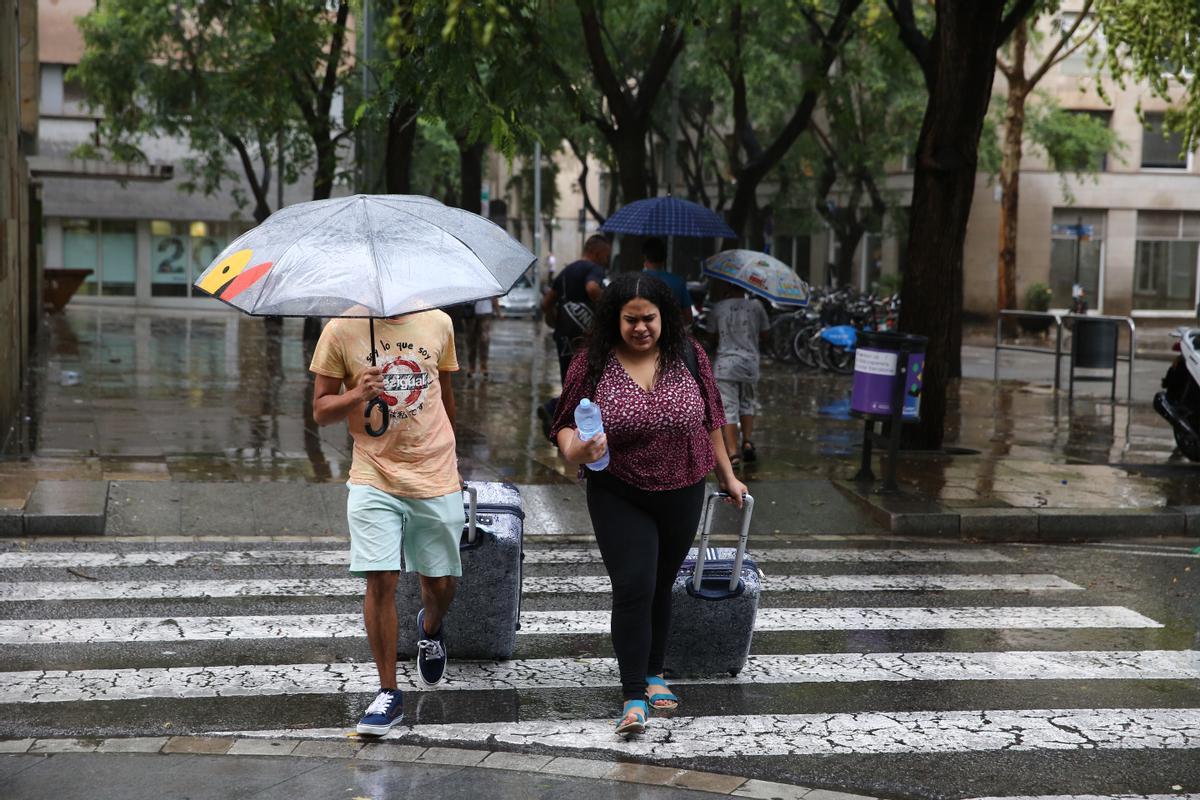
(483, 619)
(714, 604)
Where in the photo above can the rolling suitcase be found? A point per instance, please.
(714, 603)
(483, 619)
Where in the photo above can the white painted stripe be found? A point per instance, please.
(61, 686)
(1096, 797)
(27, 591)
(562, 623)
(1106, 548)
(864, 733)
(273, 558)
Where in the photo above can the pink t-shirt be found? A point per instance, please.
(657, 440)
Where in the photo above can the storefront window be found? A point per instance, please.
(80, 251)
(1165, 264)
(118, 257)
(168, 259)
(208, 240)
(1076, 255)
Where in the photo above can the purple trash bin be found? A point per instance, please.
(876, 357)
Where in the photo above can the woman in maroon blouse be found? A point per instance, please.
(662, 428)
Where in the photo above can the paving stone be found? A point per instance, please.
(63, 746)
(765, 790)
(200, 745)
(998, 524)
(133, 744)
(66, 508)
(143, 508)
(15, 745)
(825, 794)
(577, 767)
(319, 749)
(385, 751)
(642, 773)
(217, 507)
(262, 747)
(288, 508)
(453, 756)
(707, 781)
(12, 522)
(517, 761)
(1072, 524)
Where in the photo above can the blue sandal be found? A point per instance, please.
(670, 701)
(637, 725)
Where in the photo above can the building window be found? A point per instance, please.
(1104, 118)
(1076, 255)
(1161, 150)
(1077, 62)
(108, 248)
(1165, 263)
(180, 251)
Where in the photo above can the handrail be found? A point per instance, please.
(1057, 352)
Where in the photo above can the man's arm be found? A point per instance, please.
(330, 405)
(447, 396)
(550, 306)
(594, 290)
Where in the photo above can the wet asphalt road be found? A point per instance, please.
(1157, 582)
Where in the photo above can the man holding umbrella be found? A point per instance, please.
(405, 490)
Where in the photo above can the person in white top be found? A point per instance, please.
(479, 335)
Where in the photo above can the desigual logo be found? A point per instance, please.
(404, 383)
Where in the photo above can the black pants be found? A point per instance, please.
(644, 537)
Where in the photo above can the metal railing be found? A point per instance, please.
(1058, 320)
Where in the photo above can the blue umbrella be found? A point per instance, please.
(667, 216)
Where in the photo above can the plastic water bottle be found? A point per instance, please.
(588, 422)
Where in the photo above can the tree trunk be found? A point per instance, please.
(962, 64)
(633, 176)
(401, 139)
(848, 238)
(1010, 174)
(470, 160)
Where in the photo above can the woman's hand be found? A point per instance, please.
(735, 489)
(577, 451)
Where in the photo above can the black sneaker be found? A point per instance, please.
(385, 711)
(431, 654)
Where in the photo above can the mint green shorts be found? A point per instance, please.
(383, 525)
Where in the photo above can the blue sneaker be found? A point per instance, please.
(431, 654)
(385, 711)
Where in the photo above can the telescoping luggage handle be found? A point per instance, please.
(743, 537)
(472, 513)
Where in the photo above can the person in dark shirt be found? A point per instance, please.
(568, 306)
(654, 262)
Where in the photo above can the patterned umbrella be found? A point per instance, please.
(667, 216)
(365, 256)
(759, 273)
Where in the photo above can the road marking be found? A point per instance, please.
(563, 623)
(28, 591)
(1108, 548)
(274, 558)
(61, 686)
(863, 733)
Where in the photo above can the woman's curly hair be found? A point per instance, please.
(604, 334)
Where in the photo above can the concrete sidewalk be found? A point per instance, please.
(219, 768)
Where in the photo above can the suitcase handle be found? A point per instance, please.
(472, 513)
(706, 529)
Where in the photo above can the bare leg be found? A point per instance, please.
(379, 615)
(747, 429)
(436, 596)
(730, 434)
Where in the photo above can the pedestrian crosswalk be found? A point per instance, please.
(867, 651)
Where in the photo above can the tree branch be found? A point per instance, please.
(1020, 10)
(583, 174)
(917, 43)
(1055, 57)
(612, 88)
(670, 45)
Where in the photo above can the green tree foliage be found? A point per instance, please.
(209, 72)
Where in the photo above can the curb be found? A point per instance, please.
(356, 749)
(915, 515)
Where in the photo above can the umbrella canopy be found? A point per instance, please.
(667, 216)
(365, 256)
(760, 274)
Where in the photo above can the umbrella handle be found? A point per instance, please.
(382, 429)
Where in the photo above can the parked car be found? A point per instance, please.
(522, 299)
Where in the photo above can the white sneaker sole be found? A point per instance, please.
(377, 730)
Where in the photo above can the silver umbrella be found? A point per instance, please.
(365, 256)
